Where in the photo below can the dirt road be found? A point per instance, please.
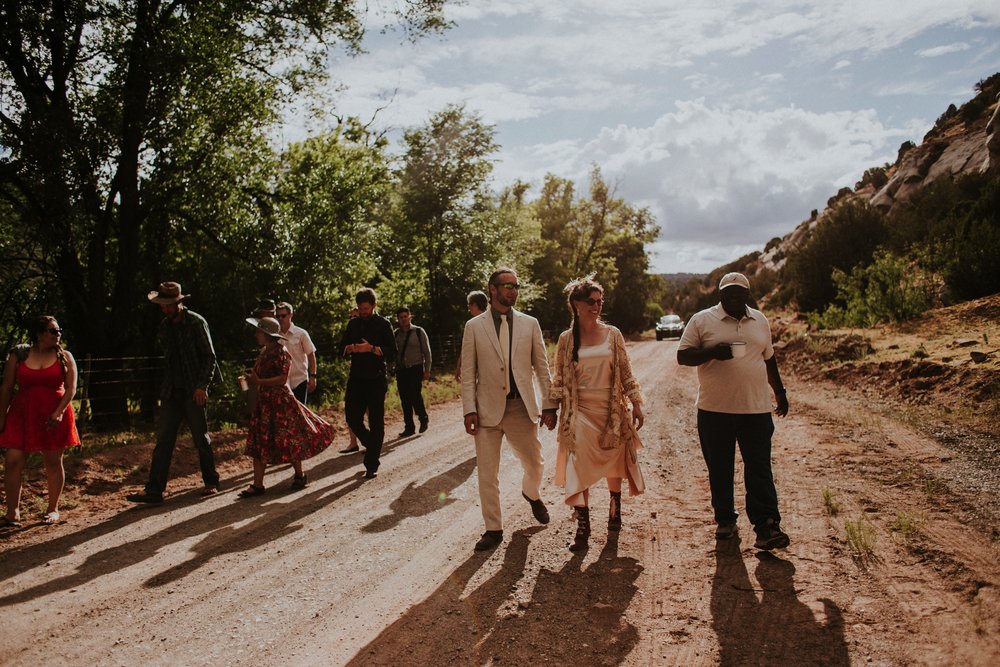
(383, 572)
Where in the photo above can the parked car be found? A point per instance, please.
(669, 326)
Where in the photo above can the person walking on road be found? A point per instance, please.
(189, 368)
(502, 350)
(601, 406)
(413, 367)
(477, 303)
(730, 343)
(282, 429)
(368, 341)
(302, 374)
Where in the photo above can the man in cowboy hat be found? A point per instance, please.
(189, 367)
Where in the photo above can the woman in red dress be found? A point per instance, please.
(282, 430)
(40, 416)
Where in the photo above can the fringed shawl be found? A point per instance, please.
(625, 392)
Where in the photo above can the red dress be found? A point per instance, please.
(283, 430)
(38, 394)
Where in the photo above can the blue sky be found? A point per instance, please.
(730, 121)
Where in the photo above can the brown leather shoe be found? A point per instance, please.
(538, 509)
(489, 540)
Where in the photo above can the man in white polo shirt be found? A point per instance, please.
(730, 343)
(302, 374)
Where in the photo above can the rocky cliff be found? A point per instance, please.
(963, 140)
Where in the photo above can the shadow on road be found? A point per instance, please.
(777, 628)
(268, 521)
(420, 500)
(574, 616)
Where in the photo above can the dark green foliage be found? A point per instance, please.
(844, 238)
(974, 268)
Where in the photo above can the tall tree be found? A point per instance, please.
(444, 228)
(600, 233)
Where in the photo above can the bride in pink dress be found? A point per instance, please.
(39, 416)
(600, 410)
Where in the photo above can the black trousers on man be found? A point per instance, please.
(409, 382)
(367, 394)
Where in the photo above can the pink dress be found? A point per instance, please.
(38, 394)
(283, 430)
(577, 471)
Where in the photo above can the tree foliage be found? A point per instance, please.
(599, 233)
(845, 237)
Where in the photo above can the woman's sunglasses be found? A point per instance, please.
(590, 301)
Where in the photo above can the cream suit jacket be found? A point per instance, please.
(483, 367)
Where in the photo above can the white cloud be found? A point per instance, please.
(944, 50)
(731, 121)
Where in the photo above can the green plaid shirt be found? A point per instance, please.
(188, 353)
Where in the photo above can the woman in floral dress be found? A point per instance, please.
(600, 410)
(282, 430)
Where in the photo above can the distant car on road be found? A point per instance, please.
(669, 326)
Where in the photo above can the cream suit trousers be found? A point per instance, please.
(522, 435)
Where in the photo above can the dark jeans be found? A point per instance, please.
(180, 406)
(367, 394)
(301, 392)
(409, 382)
(719, 432)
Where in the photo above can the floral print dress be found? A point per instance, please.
(283, 430)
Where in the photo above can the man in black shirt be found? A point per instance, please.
(369, 341)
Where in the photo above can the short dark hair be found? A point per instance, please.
(365, 295)
(402, 309)
(478, 298)
(284, 305)
(500, 271)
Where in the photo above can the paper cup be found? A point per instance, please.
(739, 349)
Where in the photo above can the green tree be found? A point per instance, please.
(844, 238)
(444, 230)
(599, 233)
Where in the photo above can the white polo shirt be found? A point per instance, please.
(736, 386)
(299, 346)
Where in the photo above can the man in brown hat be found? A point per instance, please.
(189, 368)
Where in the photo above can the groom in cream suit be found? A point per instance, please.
(501, 350)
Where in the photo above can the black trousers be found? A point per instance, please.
(719, 434)
(367, 395)
(180, 407)
(409, 382)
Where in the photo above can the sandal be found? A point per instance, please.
(299, 482)
(252, 491)
(9, 523)
(51, 518)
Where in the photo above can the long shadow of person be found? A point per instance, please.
(267, 527)
(734, 606)
(131, 552)
(22, 559)
(582, 612)
(777, 629)
(789, 631)
(463, 619)
(421, 500)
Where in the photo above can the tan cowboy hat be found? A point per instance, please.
(169, 292)
(268, 325)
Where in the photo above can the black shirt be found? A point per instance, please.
(376, 330)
